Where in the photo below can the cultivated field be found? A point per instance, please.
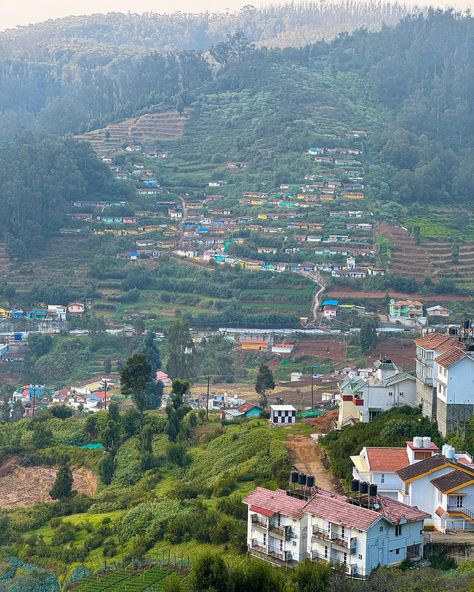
(144, 130)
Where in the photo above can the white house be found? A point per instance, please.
(361, 399)
(453, 381)
(282, 414)
(286, 529)
(379, 465)
(443, 486)
(376, 465)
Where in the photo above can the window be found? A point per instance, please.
(381, 529)
(264, 538)
(345, 558)
(281, 545)
(343, 531)
(294, 543)
(382, 478)
(398, 530)
(325, 552)
(390, 393)
(360, 556)
(279, 520)
(397, 551)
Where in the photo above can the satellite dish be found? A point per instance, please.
(376, 506)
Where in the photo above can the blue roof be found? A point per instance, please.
(330, 302)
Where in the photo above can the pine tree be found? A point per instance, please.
(264, 383)
(62, 487)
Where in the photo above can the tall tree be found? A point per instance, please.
(265, 382)
(368, 337)
(180, 350)
(135, 379)
(150, 348)
(62, 487)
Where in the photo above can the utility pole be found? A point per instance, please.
(207, 398)
(105, 382)
(312, 388)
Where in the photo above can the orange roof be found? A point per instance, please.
(450, 357)
(387, 459)
(250, 342)
(432, 341)
(408, 303)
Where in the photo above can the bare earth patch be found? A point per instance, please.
(21, 487)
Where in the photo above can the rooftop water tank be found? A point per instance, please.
(302, 479)
(363, 487)
(294, 476)
(355, 485)
(310, 480)
(372, 490)
(417, 442)
(426, 442)
(450, 452)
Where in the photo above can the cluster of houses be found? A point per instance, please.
(52, 312)
(442, 386)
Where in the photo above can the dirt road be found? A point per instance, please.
(306, 456)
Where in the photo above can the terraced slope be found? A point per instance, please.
(460, 269)
(143, 130)
(408, 258)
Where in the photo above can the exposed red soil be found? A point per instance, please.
(400, 351)
(21, 487)
(332, 348)
(307, 458)
(324, 423)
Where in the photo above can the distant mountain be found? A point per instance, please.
(97, 39)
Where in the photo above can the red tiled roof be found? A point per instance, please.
(408, 303)
(432, 341)
(332, 507)
(451, 480)
(386, 460)
(395, 511)
(431, 447)
(262, 511)
(276, 501)
(439, 511)
(450, 357)
(338, 511)
(247, 407)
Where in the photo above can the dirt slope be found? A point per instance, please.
(306, 457)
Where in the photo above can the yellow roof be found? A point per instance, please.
(360, 464)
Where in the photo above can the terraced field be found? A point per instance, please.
(460, 269)
(144, 130)
(408, 258)
(125, 581)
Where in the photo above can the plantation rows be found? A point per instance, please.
(123, 581)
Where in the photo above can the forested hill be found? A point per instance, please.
(98, 38)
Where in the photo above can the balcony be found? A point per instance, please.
(334, 538)
(277, 553)
(260, 522)
(349, 568)
(278, 531)
(258, 546)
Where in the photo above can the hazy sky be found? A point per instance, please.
(23, 12)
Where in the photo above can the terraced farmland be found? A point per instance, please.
(458, 268)
(144, 130)
(408, 258)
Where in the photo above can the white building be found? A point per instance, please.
(379, 465)
(453, 380)
(361, 399)
(282, 414)
(327, 527)
(443, 486)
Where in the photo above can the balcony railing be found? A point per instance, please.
(258, 546)
(336, 539)
(277, 553)
(256, 521)
(453, 509)
(278, 530)
(349, 568)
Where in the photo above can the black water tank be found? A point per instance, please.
(467, 323)
(310, 480)
(372, 490)
(301, 479)
(294, 476)
(363, 487)
(355, 485)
